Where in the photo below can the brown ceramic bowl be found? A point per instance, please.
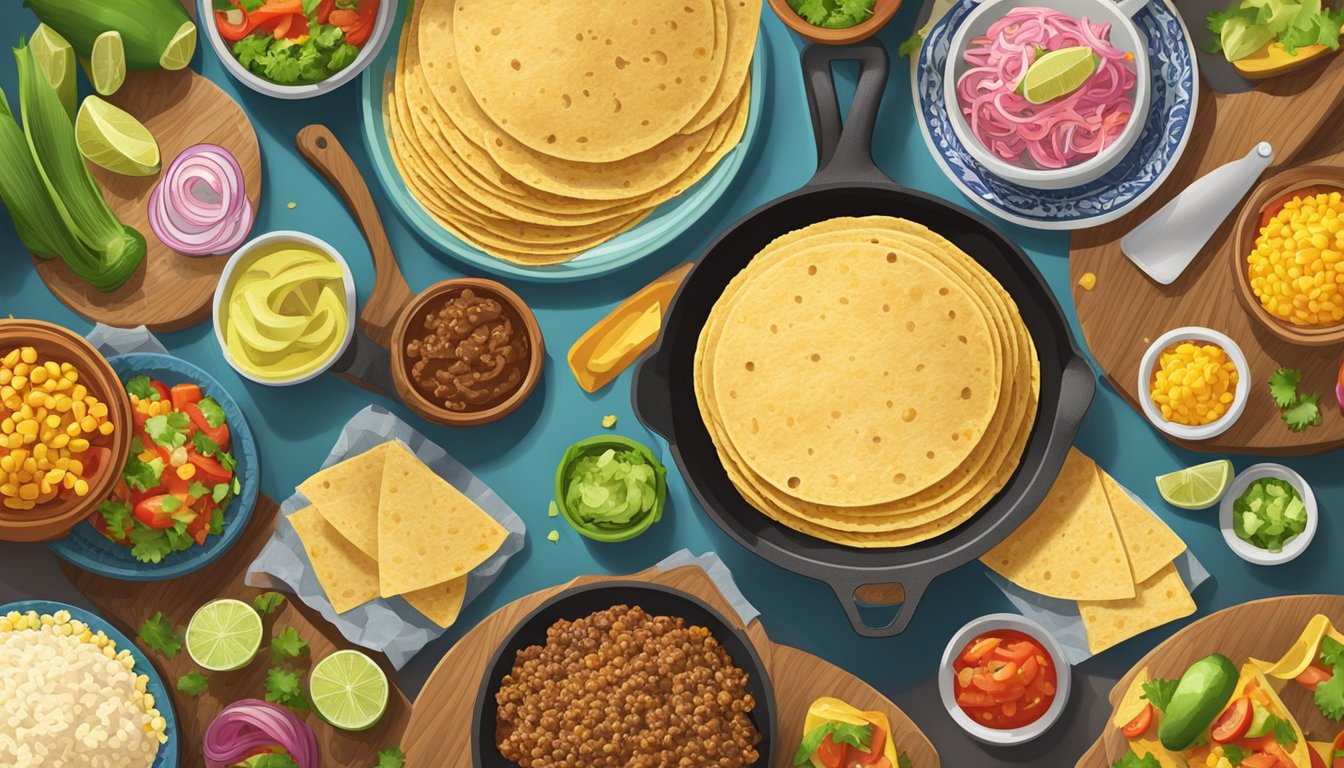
(1248, 229)
(883, 10)
(411, 319)
(55, 518)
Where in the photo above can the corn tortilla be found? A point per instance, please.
(1149, 543)
(1160, 599)
(347, 575)
(346, 494)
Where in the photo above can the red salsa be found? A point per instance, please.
(1004, 679)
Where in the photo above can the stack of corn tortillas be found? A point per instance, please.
(867, 383)
(1090, 541)
(537, 132)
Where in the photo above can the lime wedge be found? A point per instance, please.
(224, 635)
(1057, 73)
(180, 49)
(110, 137)
(107, 63)
(348, 690)
(56, 61)
(1198, 487)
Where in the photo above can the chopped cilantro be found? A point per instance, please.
(118, 516)
(171, 504)
(391, 758)
(211, 410)
(1332, 652)
(1300, 411)
(1329, 696)
(1283, 387)
(141, 387)
(858, 736)
(287, 645)
(151, 545)
(197, 490)
(142, 475)
(219, 492)
(1305, 413)
(157, 634)
(282, 687)
(833, 14)
(1282, 729)
(216, 521)
(268, 602)
(1235, 754)
(1158, 692)
(1132, 760)
(169, 430)
(193, 684)
(911, 45)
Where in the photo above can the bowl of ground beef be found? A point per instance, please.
(624, 674)
(466, 352)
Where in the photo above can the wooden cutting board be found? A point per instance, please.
(127, 604)
(1264, 629)
(1300, 114)
(441, 721)
(170, 291)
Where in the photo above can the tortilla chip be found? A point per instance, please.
(428, 532)
(347, 575)
(441, 602)
(347, 496)
(1149, 543)
(1069, 548)
(1160, 599)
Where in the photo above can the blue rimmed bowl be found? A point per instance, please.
(167, 756)
(89, 550)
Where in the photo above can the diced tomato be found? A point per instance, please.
(1313, 676)
(247, 23)
(1140, 724)
(1260, 760)
(169, 480)
(161, 388)
(883, 762)
(1233, 723)
(1280, 754)
(209, 471)
(282, 26)
(184, 393)
(981, 648)
(121, 491)
(344, 17)
(323, 12)
(150, 511)
(219, 434)
(832, 755)
(857, 758)
(1028, 670)
(1336, 749)
(199, 528)
(140, 417)
(973, 699)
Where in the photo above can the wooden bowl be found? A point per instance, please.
(401, 363)
(55, 518)
(883, 10)
(1248, 229)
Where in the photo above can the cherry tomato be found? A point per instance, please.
(832, 755)
(169, 480)
(199, 528)
(162, 389)
(150, 512)
(1140, 724)
(184, 393)
(1233, 723)
(219, 434)
(1313, 676)
(208, 471)
(857, 758)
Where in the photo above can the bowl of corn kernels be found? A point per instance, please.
(1289, 255)
(1194, 383)
(63, 430)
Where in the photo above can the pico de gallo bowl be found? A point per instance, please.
(187, 489)
(297, 48)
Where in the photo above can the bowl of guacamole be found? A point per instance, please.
(1269, 514)
(610, 488)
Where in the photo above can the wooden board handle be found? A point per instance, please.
(320, 147)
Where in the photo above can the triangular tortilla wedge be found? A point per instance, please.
(1149, 543)
(347, 496)
(1069, 548)
(428, 532)
(348, 576)
(441, 602)
(1160, 599)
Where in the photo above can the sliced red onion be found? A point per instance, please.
(247, 725)
(1339, 394)
(200, 207)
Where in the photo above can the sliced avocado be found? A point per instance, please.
(1259, 721)
(1201, 694)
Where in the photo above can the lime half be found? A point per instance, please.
(1057, 73)
(348, 690)
(109, 136)
(180, 49)
(56, 61)
(1198, 487)
(224, 635)
(107, 63)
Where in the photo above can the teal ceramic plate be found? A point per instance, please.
(167, 756)
(666, 222)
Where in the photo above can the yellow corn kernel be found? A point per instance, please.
(28, 355)
(186, 471)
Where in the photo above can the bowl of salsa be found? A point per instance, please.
(1004, 679)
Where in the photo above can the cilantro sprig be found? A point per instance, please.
(833, 14)
(1300, 411)
(1158, 692)
(391, 758)
(286, 645)
(158, 634)
(283, 688)
(193, 684)
(1329, 695)
(1132, 760)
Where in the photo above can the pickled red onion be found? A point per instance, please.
(248, 727)
(1063, 132)
(200, 207)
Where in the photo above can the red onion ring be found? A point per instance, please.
(249, 724)
(200, 207)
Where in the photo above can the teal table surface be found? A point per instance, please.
(296, 426)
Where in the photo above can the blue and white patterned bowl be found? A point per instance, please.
(167, 756)
(85, 548)
(1173, 97)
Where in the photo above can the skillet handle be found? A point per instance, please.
(844, 149)
(651, 396)
(906, 593)
(1076, 391)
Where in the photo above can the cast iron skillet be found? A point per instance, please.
(849, 184)
(656, 600)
